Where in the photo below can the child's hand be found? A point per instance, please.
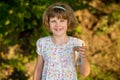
(81, 50)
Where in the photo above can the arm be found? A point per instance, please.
(38, 68)
(84, 63)
(84, 67)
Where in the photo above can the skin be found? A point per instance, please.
(59, 28)
(38, 68)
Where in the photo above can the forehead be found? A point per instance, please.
(58, 16)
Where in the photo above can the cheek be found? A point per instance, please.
(51, 25)
(66, 26)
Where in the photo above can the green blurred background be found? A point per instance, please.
(21, 25)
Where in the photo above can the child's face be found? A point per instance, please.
(58, 26)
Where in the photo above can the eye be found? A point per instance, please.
(62, 20)
(52, 21)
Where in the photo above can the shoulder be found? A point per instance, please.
(77, 41)
(42, 39)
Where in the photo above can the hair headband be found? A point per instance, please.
(59, 7)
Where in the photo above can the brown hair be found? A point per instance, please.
(61, 11)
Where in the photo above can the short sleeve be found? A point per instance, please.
(39, 46)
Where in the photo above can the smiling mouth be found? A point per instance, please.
(59, 29)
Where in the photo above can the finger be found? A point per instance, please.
(82, 48)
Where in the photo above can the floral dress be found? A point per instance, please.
(59, 63)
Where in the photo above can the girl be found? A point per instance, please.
(56, 53)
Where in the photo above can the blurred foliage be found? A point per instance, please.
(98, 74)
(21, 23)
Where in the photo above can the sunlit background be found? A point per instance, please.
(21, 25)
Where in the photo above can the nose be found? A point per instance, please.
(58, 24)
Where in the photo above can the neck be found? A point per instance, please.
(60, 40)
